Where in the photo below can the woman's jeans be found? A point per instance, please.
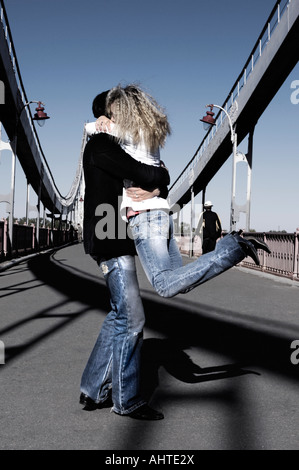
(161, 260)
(115, 359)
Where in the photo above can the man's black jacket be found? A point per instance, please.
(105, 166)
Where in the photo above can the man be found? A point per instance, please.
(111, 376)
(209, 226)
(79, 232)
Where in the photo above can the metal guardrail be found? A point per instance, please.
(283, 260)
(25, 242)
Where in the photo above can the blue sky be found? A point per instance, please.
(186, 54)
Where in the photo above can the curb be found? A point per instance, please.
(14, 262)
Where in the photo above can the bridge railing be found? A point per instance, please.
(274, 19)
(283, 260)
(25, 242)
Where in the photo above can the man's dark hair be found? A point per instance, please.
(99, 104)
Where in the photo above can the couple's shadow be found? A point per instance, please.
(157, 353)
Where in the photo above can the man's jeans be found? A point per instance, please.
(160, 258)
(115, 360)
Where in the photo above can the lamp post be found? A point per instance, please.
(40, 116)
(209, 121)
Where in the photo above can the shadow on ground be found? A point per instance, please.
(183, 327)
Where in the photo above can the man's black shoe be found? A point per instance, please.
(146, 413)
(91, 405)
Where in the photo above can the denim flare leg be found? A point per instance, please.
(160, 258)
(115, 359)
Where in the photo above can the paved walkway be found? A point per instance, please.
(217, 361)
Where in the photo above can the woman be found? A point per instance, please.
(141, 128)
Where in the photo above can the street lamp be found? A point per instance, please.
(209, 121)
(40, 116)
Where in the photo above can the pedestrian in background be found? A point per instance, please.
(209, 228)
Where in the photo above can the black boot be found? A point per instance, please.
(259, 244)
(249, 250)
(250, 245)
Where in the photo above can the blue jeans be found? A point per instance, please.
(115, 359)
(161, 260)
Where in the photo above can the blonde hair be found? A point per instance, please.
(138, 115)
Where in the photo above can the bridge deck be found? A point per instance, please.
(216, 361)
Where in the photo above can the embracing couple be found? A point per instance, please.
(123, 170)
